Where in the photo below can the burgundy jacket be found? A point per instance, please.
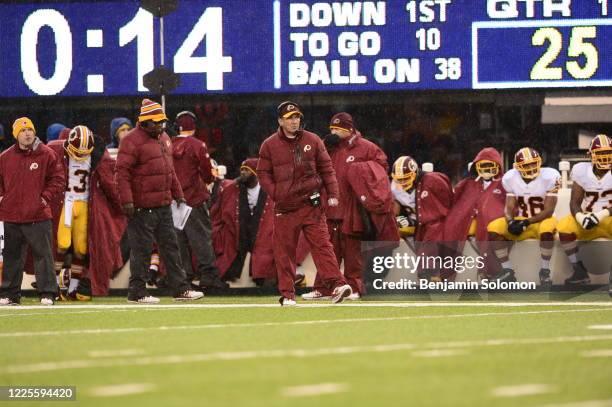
(290, 170)
(434, 197)
(25, 178)
(352, 150)
(472, 201)
(262, 256)
(145, 173)
(193, 168)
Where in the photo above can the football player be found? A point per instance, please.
(531, 196)
(421, 200)
(590, 204)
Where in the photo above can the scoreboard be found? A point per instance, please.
(79, 48)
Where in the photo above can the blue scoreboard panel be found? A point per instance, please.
(79, 48)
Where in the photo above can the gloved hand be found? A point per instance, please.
(128, 209)
(587, 220)
(402, 221)
(602, 214)
(180, 201)
(517, 226)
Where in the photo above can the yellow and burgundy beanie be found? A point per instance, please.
(250, 164)
(22, 123)
(150, 110)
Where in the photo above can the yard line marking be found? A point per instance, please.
(597, 353)
(606, 327)
(435, 353)
(285, 323)
(360, 304)
(114, 353)
(280, 353)
(585, 403)
(121, 389)
(314, 389)
(522, 390)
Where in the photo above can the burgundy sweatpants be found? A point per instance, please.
(348, 249)
(287, 227)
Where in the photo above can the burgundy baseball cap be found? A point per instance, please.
(186, 121)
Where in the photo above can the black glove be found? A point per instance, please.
(590, 221)
(516, 227)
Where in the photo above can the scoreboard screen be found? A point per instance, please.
(78, 48)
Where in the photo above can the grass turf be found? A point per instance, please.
(370, 355)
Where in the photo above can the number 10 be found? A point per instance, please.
(577, 46)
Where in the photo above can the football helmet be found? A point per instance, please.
(487, 169)
(601, 152)
(528, 162)
(404, 172)
(80, 143)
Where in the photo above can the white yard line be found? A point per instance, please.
(602, 327)
(282, 353)
(97, 331)
(314, 389)
(522, 390)
(121, 389)
(584, 403)
(114, 353)
(360, 304)
(597, 353)
(436, 353)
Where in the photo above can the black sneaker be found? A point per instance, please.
(545, 280)
(579, 276)
(505, 276)
(212, 280)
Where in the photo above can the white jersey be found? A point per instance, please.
(530, 195)
(406, 199)
(78, 179)
(597, 192)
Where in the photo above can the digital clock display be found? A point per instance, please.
(257, 46)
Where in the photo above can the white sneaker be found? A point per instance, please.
(7, 302)
(189, 295)
(315, 295)
(149, 299)
(287, 302)
(354, 297)
(46, 301)
(340, 293)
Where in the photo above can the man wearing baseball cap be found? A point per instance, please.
(147, 185)
(365, 209)
(30, 178)
(194, 171)
(294, 169)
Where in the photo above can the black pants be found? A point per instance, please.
(146, 226)
(17, 237)
(197, 235)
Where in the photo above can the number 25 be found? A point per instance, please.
(577, 46)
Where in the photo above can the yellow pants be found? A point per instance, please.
(77, 234)
(473, 228)
(406, 231)
(569, 225)
(533, 231)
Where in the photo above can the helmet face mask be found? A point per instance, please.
(80, 143)
(528, 163)
(487, 169)
(405, 171)
(601, 152)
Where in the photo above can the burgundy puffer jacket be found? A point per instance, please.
(145, 173)
(290, 170)
(193, 168)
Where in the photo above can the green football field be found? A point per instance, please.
(233, 351)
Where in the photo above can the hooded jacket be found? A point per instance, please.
(114, 126)
(193, 168)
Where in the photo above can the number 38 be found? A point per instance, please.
(577, 47)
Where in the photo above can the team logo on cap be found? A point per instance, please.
(33, 166)
(307, 147)
(336, 121)
(290, 107)
(350, 158)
